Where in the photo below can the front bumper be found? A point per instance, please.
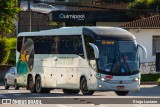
(106, 86)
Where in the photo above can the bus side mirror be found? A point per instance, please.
(96, 50)
(143, 50)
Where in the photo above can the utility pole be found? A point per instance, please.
(29, 13)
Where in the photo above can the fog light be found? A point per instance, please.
(102, 79)
(100, 86)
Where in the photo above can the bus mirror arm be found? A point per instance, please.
(143, 50)
(96, 50)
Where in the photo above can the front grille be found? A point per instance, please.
(120, 81)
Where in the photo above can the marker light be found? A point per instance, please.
(109, 77)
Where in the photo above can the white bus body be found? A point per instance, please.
(63, 59)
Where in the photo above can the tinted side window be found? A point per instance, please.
(19, 44)
(89, 49)
(42, 45)
(53, 44)
(69, 45)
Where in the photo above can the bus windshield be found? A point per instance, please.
(118, 57)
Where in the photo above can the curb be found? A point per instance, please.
(149, 83)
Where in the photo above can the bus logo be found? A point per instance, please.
(120, 82)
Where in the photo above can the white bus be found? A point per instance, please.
(79, 58)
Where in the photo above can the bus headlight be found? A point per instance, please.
(136, 79)
(106, 78)
(100, 78)
(97, 76)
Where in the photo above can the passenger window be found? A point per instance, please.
(19, 44)
(67, 45)
(54, 44)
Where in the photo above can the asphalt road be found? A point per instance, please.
(64, 100)
(146, 91)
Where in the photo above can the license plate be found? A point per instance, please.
(120, 87)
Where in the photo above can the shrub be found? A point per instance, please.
(12, 56)
(142, 8)
(4, 50)
(158, 82)
(12, 42)
(149, 77)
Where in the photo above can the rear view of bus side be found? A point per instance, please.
(79, 58)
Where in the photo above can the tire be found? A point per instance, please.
(70, 91)
(84, 88)
(39, 88)
(121, 93)
(16, 87)
(38, 85)
(6, 85)
(31, 85)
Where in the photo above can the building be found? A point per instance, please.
(94, 13)
(39, 17)
(147, 32)
(39, 21)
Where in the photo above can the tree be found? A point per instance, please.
(143, 8)
(8, 13)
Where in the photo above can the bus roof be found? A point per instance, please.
(103, 31)
(111, 33)
(54, 32)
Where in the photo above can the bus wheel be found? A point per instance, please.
(38, 85)
(121, 93)
(31, 85)
(84, 88)
(16, 87)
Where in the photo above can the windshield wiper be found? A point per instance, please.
(114, 60)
